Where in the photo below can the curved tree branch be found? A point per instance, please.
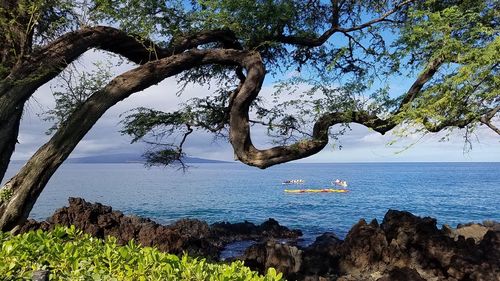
(240, 138)
(382, 18)
(44, 64)
(247, 153)
(318, 41)
(424, 77)
(484, 118)
(32, 178)
(47, 62)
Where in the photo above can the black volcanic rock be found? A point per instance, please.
(283, 257)
(186, 235)
(403, 247)
(249, 231)
(402, 274)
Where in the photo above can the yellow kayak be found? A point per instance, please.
(315, 190)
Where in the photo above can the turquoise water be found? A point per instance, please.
(451, 192)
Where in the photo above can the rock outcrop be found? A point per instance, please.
(186, 235)
(402, 247)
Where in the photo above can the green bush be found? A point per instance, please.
(71, 255)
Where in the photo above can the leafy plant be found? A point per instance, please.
(68, 254)
(5, 194)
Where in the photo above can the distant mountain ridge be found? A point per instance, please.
(131, 158)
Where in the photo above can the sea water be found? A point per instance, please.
(451, 192)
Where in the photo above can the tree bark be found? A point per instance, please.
(45, 64)
(30, 181)
(8, 140)
(240, 136)
(30, 72)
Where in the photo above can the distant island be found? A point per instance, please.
(131, 158)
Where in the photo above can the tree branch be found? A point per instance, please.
(31, 179)
(491, 126)
(318, 41)
(240, 138)
(424, 77)
(377, 20)
(486, 119)
(46, 63)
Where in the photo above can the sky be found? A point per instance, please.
(358, 145)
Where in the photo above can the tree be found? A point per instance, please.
(341, 53)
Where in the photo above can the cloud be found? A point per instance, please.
(373, 138)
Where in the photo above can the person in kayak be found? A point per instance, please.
(341, 182)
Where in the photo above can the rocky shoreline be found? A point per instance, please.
(402, 247)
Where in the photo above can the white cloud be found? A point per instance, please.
(372, 138)
(87, 146)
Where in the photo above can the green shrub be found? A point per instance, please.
(5, 194)
(71, 255)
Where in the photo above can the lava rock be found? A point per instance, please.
(402, 247)
(283, 257)
(193, 236)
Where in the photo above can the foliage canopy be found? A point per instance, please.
(339, 60)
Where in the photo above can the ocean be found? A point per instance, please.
(451, 192)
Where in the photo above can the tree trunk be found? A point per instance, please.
(26, 186)
(30, 181)
(8, 139)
